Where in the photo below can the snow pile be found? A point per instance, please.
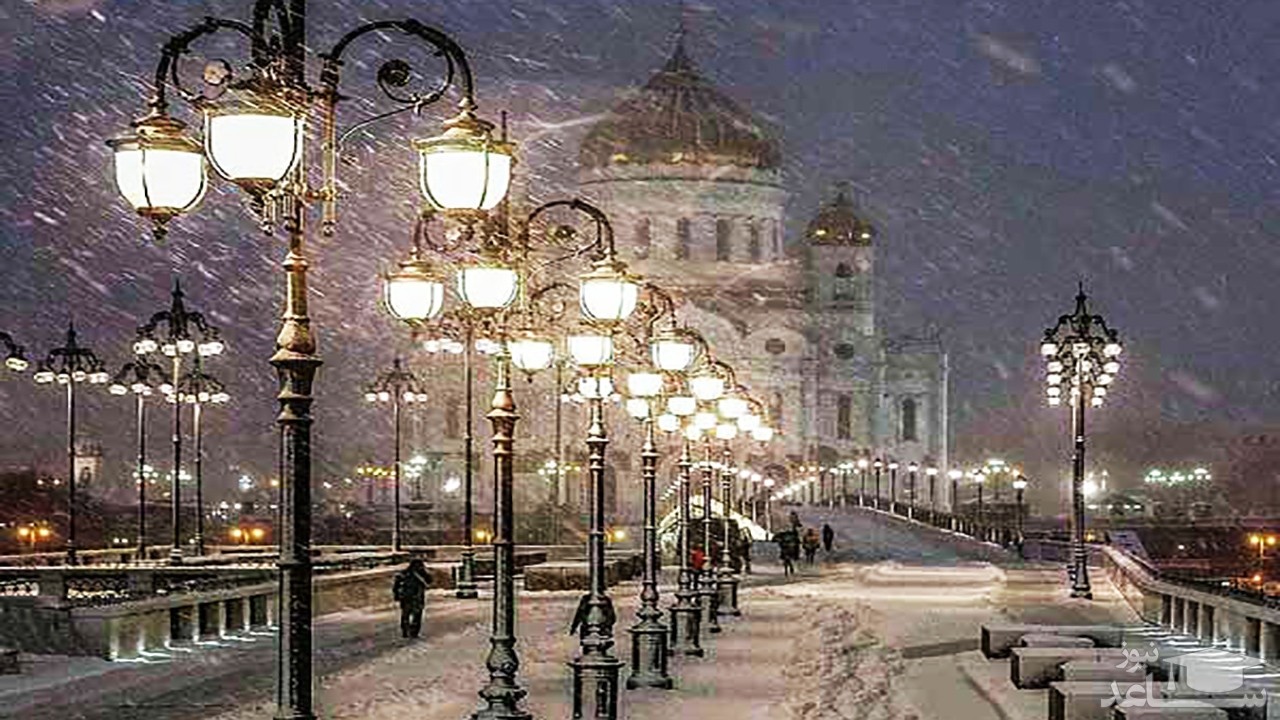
(839, 668)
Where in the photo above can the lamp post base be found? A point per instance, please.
(175, 556)
(465, 587)
(595, 687)
(686, 625)
(709, 596)
(727, 595)
(649, 655)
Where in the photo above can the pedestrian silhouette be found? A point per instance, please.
(810, 543)
(828, 537)
(410, 590)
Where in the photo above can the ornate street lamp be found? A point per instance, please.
(15, 358)
(71, 365)
(931, 472)
(1019, 487)
(1082, 355)
(954, 475)
(912, 469)
(143, 378)
(685, 612)
(399, 387)
(255, 136)
(877, 465)
(185, 333)
(197, 389)
(863, 464)
(979, 478)
(726, 580)
(893, 486)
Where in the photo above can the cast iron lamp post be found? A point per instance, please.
(1019, 487)
(255, 136)
(686, 625)
(1083, 354)
(399, 387)
(727, 579)
(185, 332)
(143, 378)
(71, 365)
(893, 486)
(877, 465)
(912, 469)
(931, 472)
(863, 464)
(979, 478)
(197, 389)
(954, 475)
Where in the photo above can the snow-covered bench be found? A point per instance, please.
(1037, 667)
(998, 640)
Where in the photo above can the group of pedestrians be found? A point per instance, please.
(797, 538)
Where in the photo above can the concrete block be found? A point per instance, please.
(999, 639)
(1083, 700)
(1050, 640)
(1037, 667)
(1184, 710)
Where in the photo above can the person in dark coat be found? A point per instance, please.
(410, 590)
(828, 537)
(788, 550)
(810, 543)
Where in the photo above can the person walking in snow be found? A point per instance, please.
(810, 543)
(828, 537)
(788, 550)
(410, 590)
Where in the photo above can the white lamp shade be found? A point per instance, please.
(591, 350)
(706, 420)
(644, 384)
(706, 387)
(608, 299)
(732, 407)
(411, 297)
(673, 355)
(160, 181)
(638, 408)
(531, 354)
(762, 434)
(464, 178)
(253, 146)
(668, 423)
(487, 288)
(692, 432)
(748, 422)
(726, 431)
(682, 405)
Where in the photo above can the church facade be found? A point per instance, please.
(693, 184)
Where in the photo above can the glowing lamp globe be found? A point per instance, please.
(607, 293)
(762, 434)
(590, 350)
(530, 353)
(159, 169)
(732, 407)
(16, 363)
(464, 169)
(692, 432)
(487, 287)
(672, 353)
(682, 405)
(644, 384)
(1048, 349)
(726, 431)
(749, 422)
(252, 137)
(668, 423)
(413, 293)
(706, 387)
(706, 420)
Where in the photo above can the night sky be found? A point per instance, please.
(1007, 150)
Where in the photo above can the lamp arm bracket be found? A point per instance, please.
(177, 46)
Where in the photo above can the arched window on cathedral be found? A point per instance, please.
(643, 239)
(684, 238)
(910, 432)
(753, 242)
(846, 285)
(724, 240)
(844, 416)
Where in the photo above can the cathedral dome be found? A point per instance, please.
(837, 224)
(679, 118)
